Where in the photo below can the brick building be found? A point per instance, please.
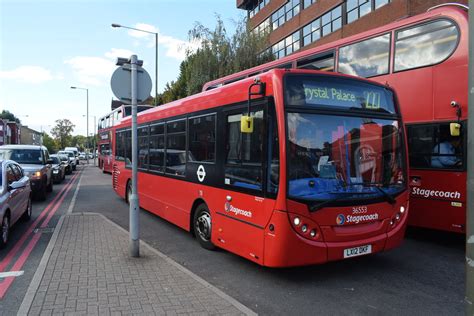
(30, 136)
(295, 25)
(3, 132)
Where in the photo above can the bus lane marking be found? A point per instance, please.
(11, 274)
(5, 285)
(13, 252)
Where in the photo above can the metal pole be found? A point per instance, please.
(156, 69)
(87, 127)
(469, 300)
(134, 204)
(93, 149)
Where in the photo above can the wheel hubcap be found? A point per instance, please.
(5, 230)
(203, 226)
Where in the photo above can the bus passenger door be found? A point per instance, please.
(243, 209)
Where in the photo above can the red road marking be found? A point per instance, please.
(12, 253)
(29, 248)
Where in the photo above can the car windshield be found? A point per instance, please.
(341, 157)
(22, 156)
(55, 160)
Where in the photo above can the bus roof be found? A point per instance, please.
(228, 94)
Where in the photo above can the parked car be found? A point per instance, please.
(72, 158)
(82, 156)
(15, 197)
(75, 151)
(65, 161)
(59, 169)
(36, 164)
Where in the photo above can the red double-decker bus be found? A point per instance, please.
(425, 59)
(104, 128)
(292, 168)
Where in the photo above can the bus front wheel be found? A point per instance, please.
(203, 227)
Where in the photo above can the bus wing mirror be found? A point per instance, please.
(455, 129)
(246, 124)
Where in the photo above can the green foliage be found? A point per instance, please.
(79, 141)
(9, 116)
(62, 132)
(218, 55)
(50, 143)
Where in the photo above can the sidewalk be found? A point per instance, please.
(87, 270)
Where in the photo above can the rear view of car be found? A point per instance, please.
(72, 158)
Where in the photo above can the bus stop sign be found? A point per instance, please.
(121, 84)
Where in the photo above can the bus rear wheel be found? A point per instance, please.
(203, 227)
(128, 194)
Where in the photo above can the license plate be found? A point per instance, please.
(357, 251)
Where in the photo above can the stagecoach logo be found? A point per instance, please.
(201, 173)
(340, 219)
(356, 219)
(237, 211)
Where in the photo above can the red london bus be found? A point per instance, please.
(425, 59)
(104, 129)
(295, 167)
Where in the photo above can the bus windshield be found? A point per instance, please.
(333, 158)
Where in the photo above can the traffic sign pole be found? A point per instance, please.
(134, 203)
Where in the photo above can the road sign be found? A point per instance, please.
(121, 84)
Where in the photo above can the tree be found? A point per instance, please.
(9, 116)
(218, 55)
(79, 141)
(62, 132)
(50, 143)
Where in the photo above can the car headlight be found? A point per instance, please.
(35, 174)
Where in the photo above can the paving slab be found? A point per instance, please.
(87, 269)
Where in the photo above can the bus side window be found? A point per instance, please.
(244, 151)
(119, 146)
(202, 139)
(128, 148)
(157, 147)
(431, 146)
(425, 44)
(143, 143)
(367, 58)
(175, 155)
(273, 172)
(323, 62)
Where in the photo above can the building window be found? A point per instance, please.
(331, 21)
(380, 3)
(367, 58)
(425, 44)
(259, 6)
(312, 32)
(263, 28)
(285, 13)
(357, 9)
(287, 46)
(307, 3)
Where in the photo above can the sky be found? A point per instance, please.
(48, 46)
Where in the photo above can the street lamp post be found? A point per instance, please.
(87, 117)
(94, 140)
(156, 55)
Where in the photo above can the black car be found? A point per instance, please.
(35, 162)
(59, 169)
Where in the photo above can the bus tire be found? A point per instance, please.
(202, 225)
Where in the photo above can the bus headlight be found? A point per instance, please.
(304, 228)
(402, 209)
(296, 221)
(312, 233)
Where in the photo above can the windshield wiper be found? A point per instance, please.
(315, 206)
(390, 199)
